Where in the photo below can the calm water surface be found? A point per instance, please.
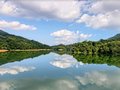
(51, 71)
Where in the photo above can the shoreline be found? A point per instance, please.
(25, 50)
(4, 51)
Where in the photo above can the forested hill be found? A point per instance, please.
(108, 46)
(9, 42)
(116, 37)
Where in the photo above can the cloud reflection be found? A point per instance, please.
(5, 86)
(106, 79)
(14, 70)
(39, 84)
(94, 80)
(65, 61)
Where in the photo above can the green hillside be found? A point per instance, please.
(9, 42)
(116, 37)
(109, 46)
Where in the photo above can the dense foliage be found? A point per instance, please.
(110, 46)
(8, 41)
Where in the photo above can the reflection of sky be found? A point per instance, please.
(14, 70)
(36, 84)
(108, 80)
(95, 80)
(48, 77)
(65, 61)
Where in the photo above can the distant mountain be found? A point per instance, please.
(3, 33)
(116, 37)
(9, 41)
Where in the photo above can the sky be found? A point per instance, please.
(55, 22)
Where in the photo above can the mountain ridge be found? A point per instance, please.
(115, 37)
(9, 42)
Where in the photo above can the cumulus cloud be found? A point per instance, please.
(65, 36)
(102, 14)
(65, 61)
(95, 14)
(14, 70)
(7, 8)
(103, 6)
(109, 19)
(15, 25)
(62, 10)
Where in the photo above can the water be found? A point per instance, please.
(51, 71)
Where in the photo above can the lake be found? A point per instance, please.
(52, 71)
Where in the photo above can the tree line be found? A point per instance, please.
(90, 47)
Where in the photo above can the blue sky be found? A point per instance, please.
(56, 22)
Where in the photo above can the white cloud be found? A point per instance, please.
(95, 14)
(103, 6)
(15, 25)
(65, 61)
(107, 20)
(65, 36)
(14, 70)
(62, 10)
(7, 8)
(102, 14)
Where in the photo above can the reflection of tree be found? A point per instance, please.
(17, 56)
(96, 59)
